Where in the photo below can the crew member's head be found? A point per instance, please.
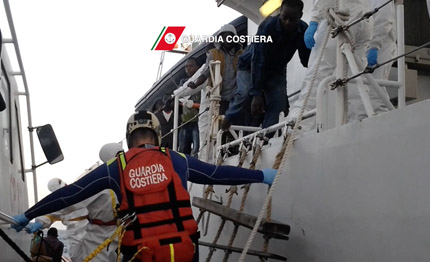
(143, 128)
(290, 14)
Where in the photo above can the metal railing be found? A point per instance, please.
(355, 65)
(26, 93)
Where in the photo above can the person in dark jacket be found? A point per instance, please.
(49, 248)
(269, 61)
(166, 117)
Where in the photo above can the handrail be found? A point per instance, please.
(321, 116)
(7, 218)
(182, 91)
(26, 94)
(264, 131)
(321, 119)
(401, 64)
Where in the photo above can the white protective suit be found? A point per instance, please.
(361, 33)
(100, 207)
(383, 39)
(86, 237)
(384, 36)
(204, 121)
(74, 220)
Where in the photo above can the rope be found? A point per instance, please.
(118, 259)
(118, 232)
(373, 68)
(14, 246)
(137, 253)
(220, 160)
(367, 15)
(256, 155)
(186, 122)
(231, 191)
(208, 191)
(214, 113)
(276, 164)
(38, 236)
(285, 155)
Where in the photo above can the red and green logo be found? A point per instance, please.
(168, 37)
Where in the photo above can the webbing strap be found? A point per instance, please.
(130, 198)
(172, 253)
(173, 204)
(157, 207)
(165, 222)
(175, 209)
(122, 160)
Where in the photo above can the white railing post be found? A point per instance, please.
(362, 89)
(175, 123)
(401, 66)
(321, 101)
(27, 95)
(215, 98)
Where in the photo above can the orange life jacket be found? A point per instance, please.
(152, 189)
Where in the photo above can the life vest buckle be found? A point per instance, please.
(128, 219)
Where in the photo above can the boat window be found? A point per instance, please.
(21, 156)
(2, 103)
(5, 115)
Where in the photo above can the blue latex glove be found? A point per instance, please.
(33, 227)
(372, 57)
(21, 221)
(269, 175)
(309, 34)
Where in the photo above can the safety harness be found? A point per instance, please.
(151, 189)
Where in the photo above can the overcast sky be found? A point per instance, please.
(88, 63)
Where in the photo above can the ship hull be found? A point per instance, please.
(360, 192)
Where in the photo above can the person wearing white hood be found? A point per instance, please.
(318, 27)
(74, 220)
(228, 52)
(88, 222)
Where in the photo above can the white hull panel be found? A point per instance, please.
(357, 193)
